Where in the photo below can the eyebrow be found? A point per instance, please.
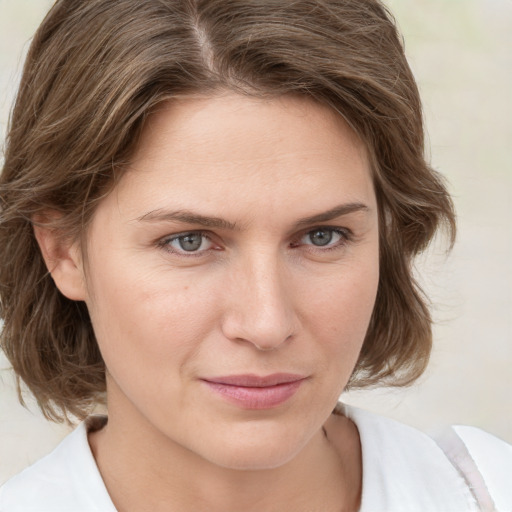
(333, 213)
(190, 217)
(187, 217)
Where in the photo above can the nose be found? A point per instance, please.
(259, 307)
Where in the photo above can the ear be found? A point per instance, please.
(63, 258)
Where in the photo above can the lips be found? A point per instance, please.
(256, 392)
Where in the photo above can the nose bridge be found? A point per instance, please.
(260, 311)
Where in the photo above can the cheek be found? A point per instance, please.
(339, 317)
(148, 320)
(343, 302)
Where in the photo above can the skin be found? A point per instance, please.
(259, 296)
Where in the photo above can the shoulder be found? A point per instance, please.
(404, 469)
(492, 458)
(66, 479)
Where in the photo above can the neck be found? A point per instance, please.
(133, 458)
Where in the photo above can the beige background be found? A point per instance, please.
(461, 53)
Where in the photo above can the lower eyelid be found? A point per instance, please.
(344, 234)
(165, 244)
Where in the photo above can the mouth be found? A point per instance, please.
(256, 392)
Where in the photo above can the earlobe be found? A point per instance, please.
(63, 260)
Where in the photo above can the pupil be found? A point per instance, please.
(190, 242)
(321, 237)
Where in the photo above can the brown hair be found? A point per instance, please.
(94, 72)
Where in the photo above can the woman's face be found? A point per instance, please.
(231, 276)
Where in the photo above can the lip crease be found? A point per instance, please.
(251, 391)
(255, 381)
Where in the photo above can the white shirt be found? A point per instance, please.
(403, 471)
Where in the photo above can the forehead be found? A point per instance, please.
(231, 151)
(244, 128)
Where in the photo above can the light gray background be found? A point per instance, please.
(461, 53)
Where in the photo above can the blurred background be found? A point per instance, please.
(461, 53)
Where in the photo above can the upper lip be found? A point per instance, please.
(256, 381)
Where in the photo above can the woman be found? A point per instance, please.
(209, 214)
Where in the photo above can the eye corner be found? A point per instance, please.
(199, 244)
(340, 235)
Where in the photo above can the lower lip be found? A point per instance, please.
(256, 398)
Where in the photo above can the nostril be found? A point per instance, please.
(266, 347)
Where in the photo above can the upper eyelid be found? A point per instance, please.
(209, 235)
(338, 229)
(174, 236)
(166, 240)
(185, 233)
(346, 237)
(302, 232)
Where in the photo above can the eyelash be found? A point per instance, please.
(345, 234)
(165, 244)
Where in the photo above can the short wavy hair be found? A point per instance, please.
(94, 72)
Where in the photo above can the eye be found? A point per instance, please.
(325, 237)
(193, 242)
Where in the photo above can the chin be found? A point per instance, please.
(254, 459)
(256, 451)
